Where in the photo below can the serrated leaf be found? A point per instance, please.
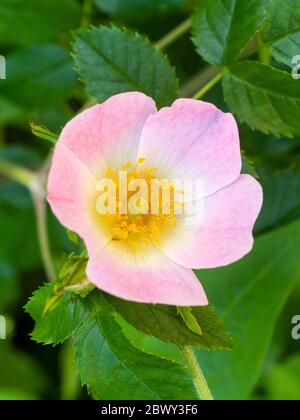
(60, 321)
(265, 98)
(56, 312)
(39, 77)
(113, 369)
(282, 29)
(164, 323)
(222, 28)
(33, 21)
(112, 60)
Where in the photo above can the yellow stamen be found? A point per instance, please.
(143, 227)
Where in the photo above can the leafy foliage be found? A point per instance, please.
(164, 323)
(250, 305)
(283, 381)
(39, 77)
(55, 325)
(101, 350)
(113, 60)
(223, 28)
(281, 199)
(260, 96)
(284, 35)
(127, 350)
(34, 21)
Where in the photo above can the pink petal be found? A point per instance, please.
(193, 140)
(225, 232)
(150, 278)
(109, 134)
(71, 188)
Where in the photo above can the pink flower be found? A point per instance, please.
(150, 258)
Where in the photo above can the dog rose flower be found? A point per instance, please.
(149, 257)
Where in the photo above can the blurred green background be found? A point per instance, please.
(41, 86)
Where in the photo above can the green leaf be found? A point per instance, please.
(113, 369)
(43, 132)
(222, 28)
(56, 312)
(113, 60)
(73, 270)
(283, 382)
(73, 237)
(282, 29)
(162, 322)
(60, 321)
(137, 9)
(284, 51)
(248, 166)
(281, 198)
(250, 295)
(39, 77)
(265, 98)
(33, 21)
(149, 344)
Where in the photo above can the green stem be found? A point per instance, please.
(263, 52)
(198, 81)
(70, 387)
(42, 230)
(203, 91)
(201, 386)
(35, 184)
(87, 8)
(174, 34)
(17, 173)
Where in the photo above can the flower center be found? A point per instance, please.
(139, 208)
